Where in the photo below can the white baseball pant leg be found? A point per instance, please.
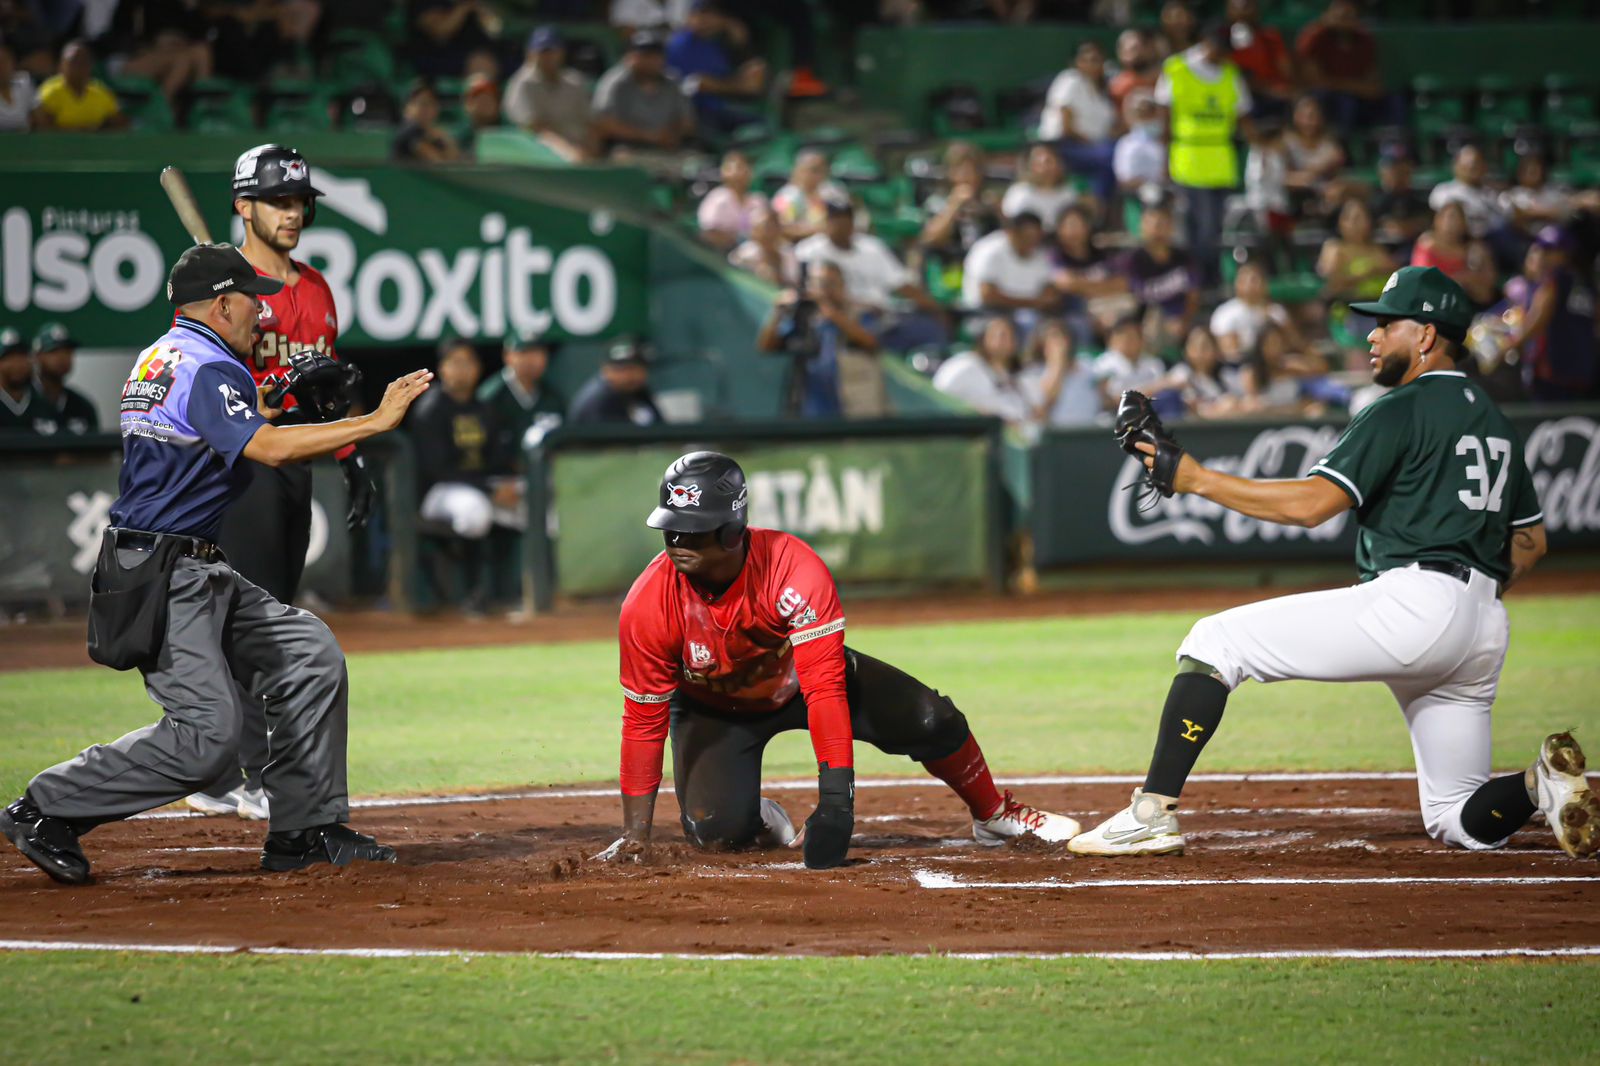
(1438, 643)
(466, 508)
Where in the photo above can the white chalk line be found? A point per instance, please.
(932, 879)
(1575, 951)
(380, 803)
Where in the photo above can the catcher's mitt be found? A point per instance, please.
(320, 385)
(1137, 422)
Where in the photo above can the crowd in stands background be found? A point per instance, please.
(1172, 186)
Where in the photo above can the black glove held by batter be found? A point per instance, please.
(1138, 422)
(359, 486)
(830, 825)
(321, 385)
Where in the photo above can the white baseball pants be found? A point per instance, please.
(1438, 643)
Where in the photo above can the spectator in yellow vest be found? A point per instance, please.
(1206, 102)
(75, 99)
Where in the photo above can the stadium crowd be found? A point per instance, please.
(1142, 238)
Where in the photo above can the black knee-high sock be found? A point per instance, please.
(1499, 808)
(1194, 707)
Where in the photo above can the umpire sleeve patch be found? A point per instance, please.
(836, 626)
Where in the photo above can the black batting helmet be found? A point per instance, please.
(700, 493)
(271, 170)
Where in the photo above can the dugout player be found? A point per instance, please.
(733, 635)
(206, 639)
(1448, 518)
(266, 533)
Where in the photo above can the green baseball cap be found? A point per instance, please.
(11, 342)
(1426, 294)
(522, 338)
(52, 335)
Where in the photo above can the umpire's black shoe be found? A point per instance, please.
(335, 843)
(49, 843)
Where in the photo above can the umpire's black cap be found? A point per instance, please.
(701, 492)
(209, 270)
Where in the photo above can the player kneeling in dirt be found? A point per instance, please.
(734, 635)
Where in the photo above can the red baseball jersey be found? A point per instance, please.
(778, 630)
(295, 318)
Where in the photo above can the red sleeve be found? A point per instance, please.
(329, 312)
(820, 667)
(806, 602)
(649, 677)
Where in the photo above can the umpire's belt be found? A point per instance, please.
(1459, 571)
(193, 547)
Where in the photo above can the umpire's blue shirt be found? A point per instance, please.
(188, 410)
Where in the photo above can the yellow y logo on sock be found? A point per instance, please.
(1192, 734)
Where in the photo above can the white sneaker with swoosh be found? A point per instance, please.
(1141, 828)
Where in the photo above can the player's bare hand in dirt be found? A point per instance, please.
(625, 849)
(398, 397)
(1187, 476)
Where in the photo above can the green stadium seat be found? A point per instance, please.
(144, 103)
(1438, 112)
(297, 107)
(360, 57)
(1503, 107)
(1289, 15)
(854, 163)
(221, 106)
(1569, 107)
(773, 161)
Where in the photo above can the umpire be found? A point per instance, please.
(165, 600)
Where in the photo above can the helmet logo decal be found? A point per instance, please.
(683, 495)
(245, 168)
(293, 169)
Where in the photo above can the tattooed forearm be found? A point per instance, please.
(1526, 549)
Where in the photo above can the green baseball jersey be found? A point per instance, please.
(1437, 473)
(517, 409)
(32, 414)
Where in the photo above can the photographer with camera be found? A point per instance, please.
(836, 371)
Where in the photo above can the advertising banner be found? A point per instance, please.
(58, 506)
(1084, 512)
(412, 255)
(875, 510)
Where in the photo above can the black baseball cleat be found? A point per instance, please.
(49, 843)
(337, 844)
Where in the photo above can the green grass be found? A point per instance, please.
(1043, 696)
(1058, 695)
(892, 1010)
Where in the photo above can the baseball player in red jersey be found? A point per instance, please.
(733, 635)
(266, 532)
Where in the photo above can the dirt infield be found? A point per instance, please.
(54, 645)
(1311, 862)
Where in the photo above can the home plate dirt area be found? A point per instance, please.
(1277, 864)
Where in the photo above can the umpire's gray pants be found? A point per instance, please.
(221, 629)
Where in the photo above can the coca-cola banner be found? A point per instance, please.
(1083, 512)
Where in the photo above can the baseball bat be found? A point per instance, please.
(183, 202)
